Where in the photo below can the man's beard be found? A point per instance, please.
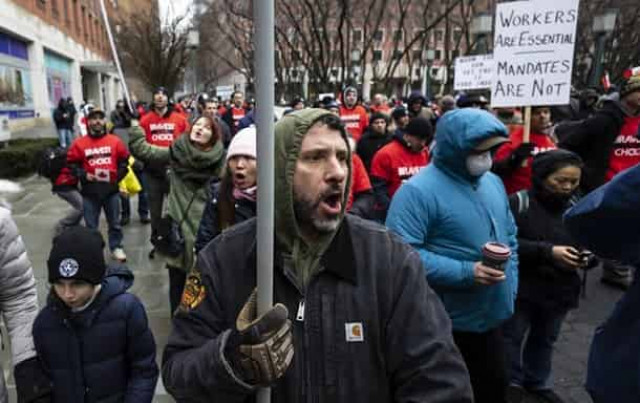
(306, 212)
(95, 131)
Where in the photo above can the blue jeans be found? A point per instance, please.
(65, 137)
(143, 199)
(111, 206)
(530, 359)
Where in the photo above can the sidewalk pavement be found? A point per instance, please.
(36, 211)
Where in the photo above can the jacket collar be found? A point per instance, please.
(339, 258)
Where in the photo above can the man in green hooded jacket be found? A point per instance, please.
(355, 319)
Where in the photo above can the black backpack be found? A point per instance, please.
(52, 161)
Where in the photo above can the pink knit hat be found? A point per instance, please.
(243, 143)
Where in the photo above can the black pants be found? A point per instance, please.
(484, 354)
(177, 278)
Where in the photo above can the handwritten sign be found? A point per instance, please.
(473, 72)
(533, 52)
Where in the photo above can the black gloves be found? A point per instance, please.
(32, 383)
(260, 349)
(521, 153)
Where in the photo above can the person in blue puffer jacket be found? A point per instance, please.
(448, 212)
(92, 337)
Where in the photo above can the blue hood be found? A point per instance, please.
(457, 133)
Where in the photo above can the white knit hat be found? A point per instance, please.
(243, 143)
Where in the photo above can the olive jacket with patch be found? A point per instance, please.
(366, 328)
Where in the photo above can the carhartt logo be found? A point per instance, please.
(68, 267)
(354, 332)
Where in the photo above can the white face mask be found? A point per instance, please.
(479, 164)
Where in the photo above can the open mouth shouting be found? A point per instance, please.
(331, 202)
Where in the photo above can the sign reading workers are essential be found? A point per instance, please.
(473, 72)
(533, 52)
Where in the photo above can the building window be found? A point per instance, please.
(397, 54)
(54, 8)
(76, 19)
(334, 72)
(455, 54)
(377, 55)
(378, 35)
(357, 35)
(438, 54)
(417, 55)
(439, 35)
(398, 35)
(457, 35)
(65, 7)
(83, 16)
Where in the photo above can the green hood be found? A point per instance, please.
(289, 132)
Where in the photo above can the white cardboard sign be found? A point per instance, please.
(473, 72)
(533, 52)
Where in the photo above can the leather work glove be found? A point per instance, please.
(261, 349)
(521, 153)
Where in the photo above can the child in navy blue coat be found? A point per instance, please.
(92, 337)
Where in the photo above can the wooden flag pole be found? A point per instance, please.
(526, 135)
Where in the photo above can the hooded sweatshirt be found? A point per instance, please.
(448, 215)
(305, 256)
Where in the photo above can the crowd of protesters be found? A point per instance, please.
(421, 253)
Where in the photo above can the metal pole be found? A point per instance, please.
(263, 16)
(597, 71)
(114, 52)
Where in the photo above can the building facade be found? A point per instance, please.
(53, 49)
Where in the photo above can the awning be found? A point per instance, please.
(99, 67)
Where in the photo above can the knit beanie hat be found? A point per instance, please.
(420, 128)
(378, 115)
(243, 143)
(77, 254)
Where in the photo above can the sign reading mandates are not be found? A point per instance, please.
(473, 72)
(533, 52)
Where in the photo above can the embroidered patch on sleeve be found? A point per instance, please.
(193, 293)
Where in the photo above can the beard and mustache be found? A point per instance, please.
(307, 211)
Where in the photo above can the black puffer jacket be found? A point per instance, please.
(370, 278)
(593, 140)
(369, 144)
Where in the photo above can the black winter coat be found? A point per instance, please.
(593, 140)
(106, 353)
(541, 281)
(370, 278)
(209, 227)
(369, 144)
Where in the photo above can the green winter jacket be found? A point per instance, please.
(190, 170)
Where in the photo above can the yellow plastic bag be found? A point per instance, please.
(130, 185)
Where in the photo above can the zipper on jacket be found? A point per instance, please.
(300, 314)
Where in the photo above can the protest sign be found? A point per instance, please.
(473, 72)
(224, 91)
(533, 52)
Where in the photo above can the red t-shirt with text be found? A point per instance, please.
(98, 156)
(162, 131)
(626, 148)
(394, 163)
(520, 178)
(355, 120)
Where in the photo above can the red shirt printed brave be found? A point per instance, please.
(520, 178)
(626, 149)
(162, 131)
(395, 163)
(98, 157)
(355, 120)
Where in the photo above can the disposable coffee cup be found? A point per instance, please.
(495, 255)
